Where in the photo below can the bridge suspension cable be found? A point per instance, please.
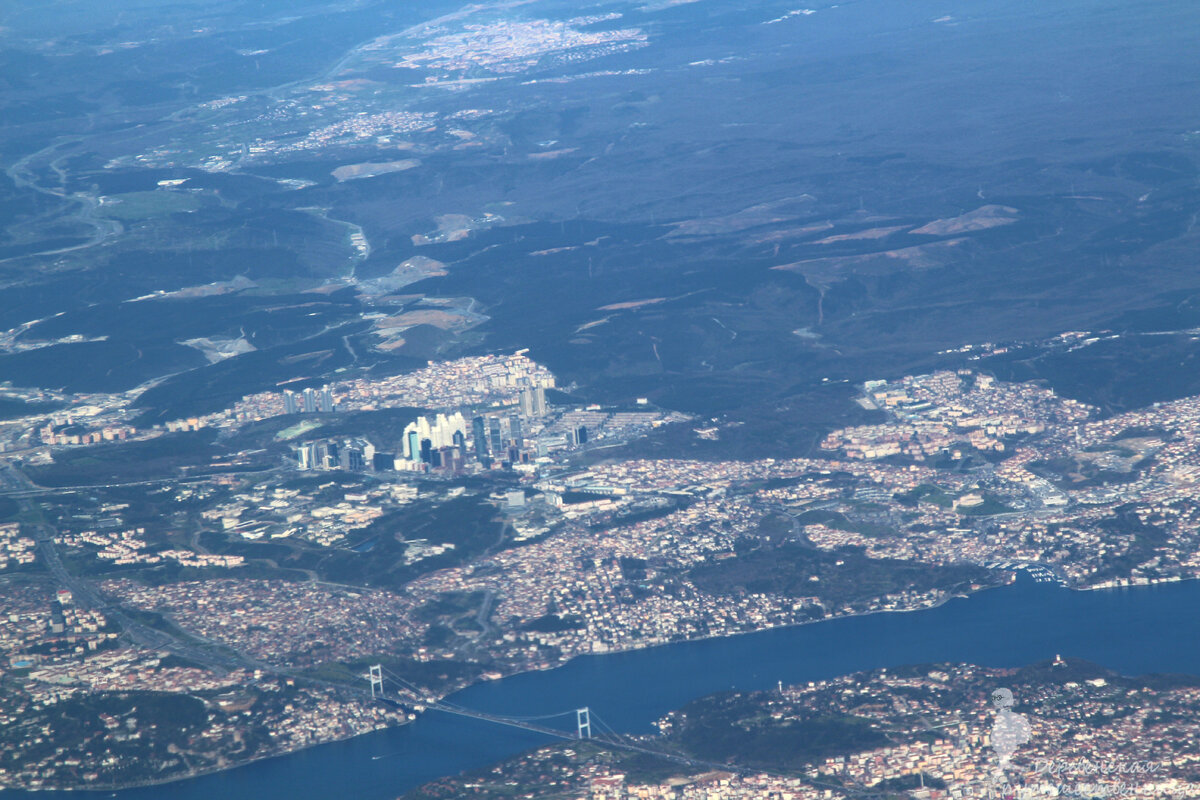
(607, 731)
(541, 717)
(608, 736)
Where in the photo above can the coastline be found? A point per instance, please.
(1007, 630)
(200, 773)
(1141, 583)
(193, 774)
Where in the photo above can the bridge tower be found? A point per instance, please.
(583, 722)
(376, 680)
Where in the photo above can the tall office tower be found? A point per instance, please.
(460, 441)
(304, 457)
(479, 437)
(581, 434)
(326, 400)
(494, 438)
(310, 401)
(355, 459)
(514, 429)
(412, 445)
(426, 451)
(539, 402)
(440, 430)
(289, 402)
(532, 402)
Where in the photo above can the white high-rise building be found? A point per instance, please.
(439, 430)
(533, 402)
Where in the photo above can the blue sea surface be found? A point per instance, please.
(1134, 631)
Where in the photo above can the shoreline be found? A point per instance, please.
(111, 788)
(191, 774)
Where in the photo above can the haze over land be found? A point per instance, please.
(533, 330)
(862, 170)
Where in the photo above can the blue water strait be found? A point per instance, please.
(1134, 631)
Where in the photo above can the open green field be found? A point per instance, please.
(144, 205)
(299, 429)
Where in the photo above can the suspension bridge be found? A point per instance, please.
(603, 734)
(583, 716)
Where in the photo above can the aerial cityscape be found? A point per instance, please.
(678, 399)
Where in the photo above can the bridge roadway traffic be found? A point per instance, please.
(615, 740)
(607, 737)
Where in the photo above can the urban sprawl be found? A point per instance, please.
(960, 482)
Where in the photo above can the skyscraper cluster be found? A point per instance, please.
(356, 455)
(445, 441)
(310, 401)
(498, 437)
(428, 434)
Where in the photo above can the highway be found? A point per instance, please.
(86, 596)
(30, 489)
(222, 659)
